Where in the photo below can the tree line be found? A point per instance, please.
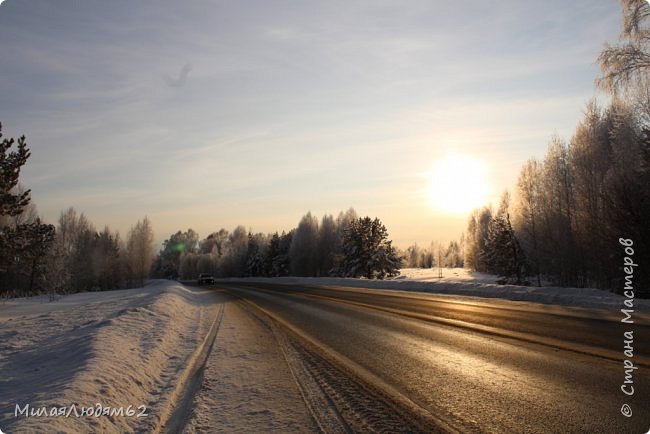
(570, 209)
(435, 255)
(346, 246)
(69, 257)
(74, 256)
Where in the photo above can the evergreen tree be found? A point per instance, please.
(30, 243)
(367, 251)
(11, 203)
(502, 253)
(271, 253)
(282, 261)
(23, 245)
(276, 261)
(255, 257)
(105, 260)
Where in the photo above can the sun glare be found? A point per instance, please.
(458, 184)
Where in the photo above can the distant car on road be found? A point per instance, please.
(205, 279)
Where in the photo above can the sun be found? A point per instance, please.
(458, 184)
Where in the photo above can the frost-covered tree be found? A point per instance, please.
(626, 75)
(30, 243)
(453, 257)
(302, 253)
(528, 214)
(206, 263)
(590, 159)
(412, 256)
(501, 252)
(477, 233)
(328, 242)
(24, 240)
(215, 243)
(255, 257)
(627, 196)
(187, 268)
(139, 248)
(105, 260)
(235, 253)
(169, 258)
(559, 213)
(76, 242)
(276, 260)
(627, 65)
(418, 257)
(367, 251)
(572, 207)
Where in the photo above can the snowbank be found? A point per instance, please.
(118, 348)
(458, 281)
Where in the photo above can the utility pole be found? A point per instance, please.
(439, 261)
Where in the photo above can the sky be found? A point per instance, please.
(209, 114)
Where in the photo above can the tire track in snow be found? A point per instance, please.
(320, 406)
(341, 396)
(178, 405)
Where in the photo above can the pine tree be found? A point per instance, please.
(254, 258)
(39, 237)
(23, 246)
(276, 261)
(106, 260)
(11, 203)
(281, 261)
(502, 253)
(367, 251)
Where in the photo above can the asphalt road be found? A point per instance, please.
(477, 365)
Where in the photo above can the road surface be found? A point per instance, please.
(373, 360)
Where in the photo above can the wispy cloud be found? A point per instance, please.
(306, 100)
(182, 77)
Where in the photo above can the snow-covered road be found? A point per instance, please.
(247, 385)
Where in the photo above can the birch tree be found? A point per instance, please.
(139, 247)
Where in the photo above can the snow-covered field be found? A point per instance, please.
(459, 281)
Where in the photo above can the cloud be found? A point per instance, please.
(182, 77)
